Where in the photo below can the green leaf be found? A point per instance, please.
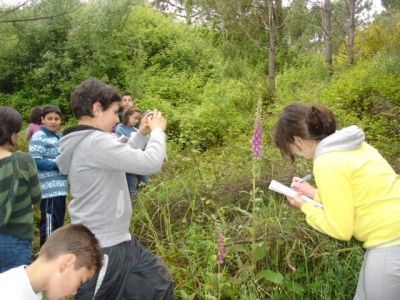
(186, 296)
(239, 248)
(249, 229)
(247, 267)
(294, 287)
(260, 253)
(270, 276)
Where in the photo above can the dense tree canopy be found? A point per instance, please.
(215, 66)
(205, 65)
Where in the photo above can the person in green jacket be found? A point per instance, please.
(19, 190)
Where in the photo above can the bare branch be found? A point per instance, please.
(49, 17)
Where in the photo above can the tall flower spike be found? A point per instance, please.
(221, 248)
(256, 140)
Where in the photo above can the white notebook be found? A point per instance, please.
(283, 189)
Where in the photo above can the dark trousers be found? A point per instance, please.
(130, 272)
(52, 212)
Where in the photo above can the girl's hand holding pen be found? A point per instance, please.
(296, 201)
(303, 187)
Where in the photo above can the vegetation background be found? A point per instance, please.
(206, 65)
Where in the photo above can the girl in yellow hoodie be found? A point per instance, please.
(359, 190)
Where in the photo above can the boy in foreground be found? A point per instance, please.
(70, 256)
(96, 163)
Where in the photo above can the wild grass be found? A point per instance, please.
(271, 253)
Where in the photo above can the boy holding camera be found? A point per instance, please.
(96, 163)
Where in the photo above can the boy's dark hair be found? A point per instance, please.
(129, 112)
(35, 116)
(127, 94)
(74, 239)
(51, 109)
(10, 122)
(89, 92)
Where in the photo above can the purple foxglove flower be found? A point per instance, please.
(256, 140)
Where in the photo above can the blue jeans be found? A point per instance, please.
(132, 185)
(142, 181)
(14, 252)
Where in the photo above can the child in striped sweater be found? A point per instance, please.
(19, 190)
(44, 147)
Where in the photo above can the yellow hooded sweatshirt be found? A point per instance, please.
(359, 190)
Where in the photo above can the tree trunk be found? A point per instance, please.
(328, 36)
(188, 11)
(352, 26)
(271, 62)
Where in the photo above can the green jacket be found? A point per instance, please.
(19, 190)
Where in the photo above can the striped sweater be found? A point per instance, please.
(44, 146)
(20, 222)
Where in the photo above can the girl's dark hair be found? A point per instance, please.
(10, 122)
(309, 122)
(89, 92)
(35, 116)
(129, 112)
(51, 109)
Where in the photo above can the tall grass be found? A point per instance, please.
(271, 253)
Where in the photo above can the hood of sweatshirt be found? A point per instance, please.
(349, 138)
(68, 143)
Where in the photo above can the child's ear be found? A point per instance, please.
(67, 261)
(96, 108)
(298, 141)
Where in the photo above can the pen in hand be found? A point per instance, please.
(305, 178)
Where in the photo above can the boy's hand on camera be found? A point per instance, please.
(157, 121)
(151, 121)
